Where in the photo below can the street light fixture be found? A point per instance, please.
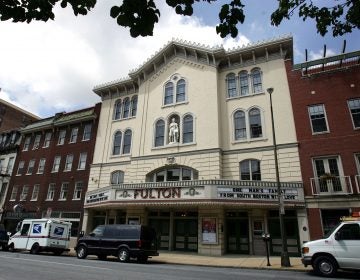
(285, 260)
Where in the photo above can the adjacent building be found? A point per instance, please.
(325, 96)
(51, 170)
(12, 118)
(185, 144)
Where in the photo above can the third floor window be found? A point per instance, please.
(354, 107)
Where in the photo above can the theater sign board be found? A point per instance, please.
(215, 190)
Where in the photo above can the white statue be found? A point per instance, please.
(173, 132)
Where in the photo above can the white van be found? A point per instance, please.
(38, 235)
(339, 249)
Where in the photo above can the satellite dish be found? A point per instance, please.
(18, 208)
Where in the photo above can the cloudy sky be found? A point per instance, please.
(52, 67)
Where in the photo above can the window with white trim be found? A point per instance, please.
(24, 193)
(127, 142)
(62, 135)
(35, 192)
(41, 166)
(240, 125)
(117, 143)
(117, 110)
(354, 107)
(74, 134)
(82, 161)
(68, 162)
(117, 177)
(231, 85)
(244, 83)
(51, 192)
(318, 120)
(126, 110)
(239, 86)
(14, 193)
(64, 191)
(169, 93)
(27, 143)
(256, 80)
(87, 132)
(78, 190)
(47, 139)
(37, 141)
(56, 164)
(175, 90)
(20, 168)
(30, 167)
(250, 170)
(122, 143)
(255, 123)
(248, 124)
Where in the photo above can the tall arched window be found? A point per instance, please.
(134, 102)
(117, 143)
(126, 108)
(250, 170)
(117, 110)
(256, 80)
(255, 123)
(159, 133)
(117, 177)
(188, 129)
(231, 85)
(180, 91)
(244, 83)
(169, 93)
(240, 125)
(127, 142)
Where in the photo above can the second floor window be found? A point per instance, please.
(20, 168)
(41, 167)
(78, 190)
(24, 193)
(64, 191)
(31, 167)
(14, 193)
(117, 177)
(82, 161)
(318, 118)
(51, 192)
(250, 170)
(68, 162)
(354, 107)
(56, 164)
(35, 193)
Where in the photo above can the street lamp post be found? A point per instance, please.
(285, 260)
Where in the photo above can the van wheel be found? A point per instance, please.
(123, 255)
(325, 266)
(81, 252)
(142, 259)
(35, 249)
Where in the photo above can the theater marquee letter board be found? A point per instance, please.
(208, 228)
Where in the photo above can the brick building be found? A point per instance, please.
(52, 168)
(12, 118)
(325, 97)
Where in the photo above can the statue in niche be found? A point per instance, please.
(173, 132)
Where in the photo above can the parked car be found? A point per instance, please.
(122, 241)
(4, 238)
(339, 249)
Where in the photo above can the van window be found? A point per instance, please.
(98, 231)
(25, 229)
(349, 232)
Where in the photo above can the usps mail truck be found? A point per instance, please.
(37, 235)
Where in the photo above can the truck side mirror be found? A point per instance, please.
(337, 236)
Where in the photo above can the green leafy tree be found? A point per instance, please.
(340, 16)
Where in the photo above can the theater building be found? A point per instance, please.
(185, 144)
(325, 96)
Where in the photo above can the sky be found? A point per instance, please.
(51, 67)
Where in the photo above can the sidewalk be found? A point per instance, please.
(236, 261)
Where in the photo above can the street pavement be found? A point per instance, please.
(234, 261)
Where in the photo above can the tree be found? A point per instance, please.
(342, 16)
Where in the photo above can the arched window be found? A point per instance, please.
(126, 108)
(117, 177)
(159, 133)
(180, 91)
(256, 80)
(255, 123)
(117, 143)
(244, 83)
(240, 125)
(117, 110)
(250, 170)
(173, 173)
(134, 102)
(169, 93)
(188, 129)
(231, 85)
(127, 142)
